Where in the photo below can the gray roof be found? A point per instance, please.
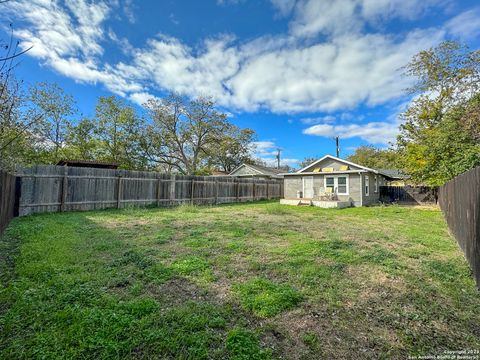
(266, 170)
(259, 170)
(393, 173)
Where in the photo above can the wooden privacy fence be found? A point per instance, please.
(459, 200)
(8, 186)
(409, 194)
(63, 188)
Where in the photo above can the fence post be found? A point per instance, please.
(119, 192)
(64, 189)
(216, 191)
(238, 189)
(159, 184)
(172, 188)
(253, 189)
(192, 190)
(268, 196)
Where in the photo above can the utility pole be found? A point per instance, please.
(278, 158)
(337, 142)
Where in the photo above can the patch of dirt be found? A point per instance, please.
(177, 291)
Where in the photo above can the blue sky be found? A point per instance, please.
(298, 72)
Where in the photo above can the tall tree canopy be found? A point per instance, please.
(118, 129)
(54, 109)
(233, 149)
(374, 158)
(182, 132)
(439, 138)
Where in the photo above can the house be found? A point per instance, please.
(257, 171)
(219, 173)
(333, 182)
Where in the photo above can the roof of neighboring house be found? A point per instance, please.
(393, 174)
(219, 173)
(88, 163)
(260, 170)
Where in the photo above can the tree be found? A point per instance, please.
(233, 149)
(182, 132)
(439, 137)
(374, 158)
(118, 129)
(307, 161)
(82, 141)
(54, 108)
(14, 141)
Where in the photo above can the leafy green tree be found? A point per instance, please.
(307, 161)
(374, 158)
(54, 108)
(439, 137)
(182, 132)
(233, 149)
(118, 129)
(82, 141)
(15, 142)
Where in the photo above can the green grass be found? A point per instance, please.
(265, 298)
(243, 281)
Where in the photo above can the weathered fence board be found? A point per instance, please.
(8, 188)
(459, 200)
(409, 194)
(58, 188)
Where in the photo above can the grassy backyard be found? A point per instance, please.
(249, 281)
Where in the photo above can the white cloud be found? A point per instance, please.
(129, 11)
(267, 150)
(280, 73)
(284, 7)
(465, 25)
(319, 120)
(264, 148)
(345, 16)
(373, 132)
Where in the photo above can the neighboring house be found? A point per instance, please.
(334, 182)
(219, 173)
(396, 177)
(257, 171)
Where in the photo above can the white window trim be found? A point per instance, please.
(367, 186)
(375, 184)
(335, 183)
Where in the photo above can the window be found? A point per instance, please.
(329, 184)
(376, 184)
(367, 190)
(342, 185)
(336, 184)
